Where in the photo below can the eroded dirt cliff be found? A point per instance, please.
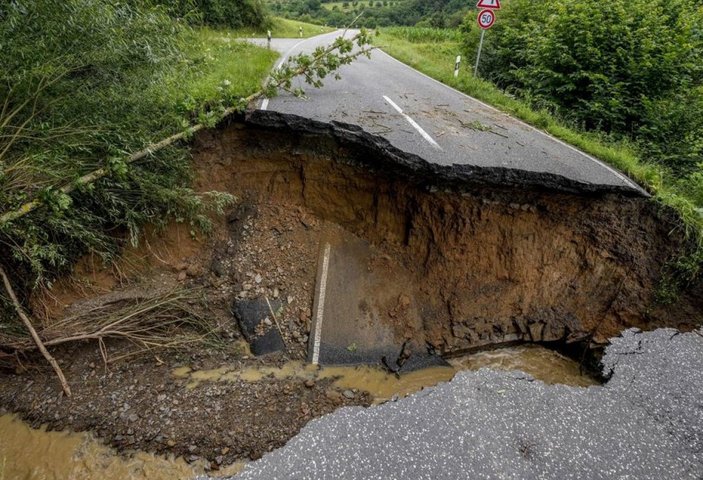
(491, 262)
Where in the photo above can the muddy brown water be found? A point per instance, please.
(35, 454)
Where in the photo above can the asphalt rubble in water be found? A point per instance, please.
(646, 422)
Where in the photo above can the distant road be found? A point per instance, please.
(422, 116)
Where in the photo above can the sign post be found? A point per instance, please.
(486, 18)
(268, 37)
(456, 65)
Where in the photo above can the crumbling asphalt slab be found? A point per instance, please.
(646, 422)
(425, 118)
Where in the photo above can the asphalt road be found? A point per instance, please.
(422, 116)
(645, 423)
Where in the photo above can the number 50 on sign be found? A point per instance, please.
(486, 19)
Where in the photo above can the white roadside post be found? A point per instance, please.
(268, 37)
(456, 65)
(300, 31)
(486, 18)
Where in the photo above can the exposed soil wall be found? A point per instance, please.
(492, 263)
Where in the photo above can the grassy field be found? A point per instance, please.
(219, 60)
(285, 28)
(354, 5)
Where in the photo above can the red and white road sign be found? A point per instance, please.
(494, 4)
(486, 19)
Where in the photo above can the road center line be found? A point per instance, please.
(412, 122)
(320, 305)
(625, 179)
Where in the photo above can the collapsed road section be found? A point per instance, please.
(454, 258)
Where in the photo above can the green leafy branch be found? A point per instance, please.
(314, 68)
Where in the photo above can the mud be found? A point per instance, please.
(491, 264)
(27, 453)
(37, 453)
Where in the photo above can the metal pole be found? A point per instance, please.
(478, 55)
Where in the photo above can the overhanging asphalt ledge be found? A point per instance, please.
(381, 154)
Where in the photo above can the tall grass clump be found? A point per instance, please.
(424, 34)
(83, 83)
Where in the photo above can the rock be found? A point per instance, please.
(218, 267)
(290, 299)
(181, 276)
(161, 398)
(348, 394)
(276, 293)
(334, 395)
(258, 278)
(133, 417)
(270, 342)
(268, 322)
(195, 270)
(249, 313)
(309, 383)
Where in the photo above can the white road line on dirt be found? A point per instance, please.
(621, 176)
(320, 305)
(412, 122)
(265, 102)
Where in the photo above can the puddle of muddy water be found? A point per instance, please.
(31, 454)
(542, 363)
(35, 454)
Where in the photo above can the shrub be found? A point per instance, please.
(628, 67)
(83, 84)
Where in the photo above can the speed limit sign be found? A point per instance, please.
(486, 19)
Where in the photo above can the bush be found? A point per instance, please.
(83, 85)
(220, 13)
(631, 68)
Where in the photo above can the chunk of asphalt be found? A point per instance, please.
(269, 342)
(250, 313)
(646, 422)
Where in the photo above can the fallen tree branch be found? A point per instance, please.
(33, 333)
(313, 68)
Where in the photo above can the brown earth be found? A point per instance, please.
(488, 265)
(491, 265)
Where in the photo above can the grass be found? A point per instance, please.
(219, 60)
(285, 28)
(358, 4)
(435, 57)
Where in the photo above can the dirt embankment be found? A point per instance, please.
(487, 257)
(491, 264)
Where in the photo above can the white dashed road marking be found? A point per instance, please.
(412, 122)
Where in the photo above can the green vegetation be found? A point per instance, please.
(431, 13)
(284, 28)
(433, 52)
(84, 84)
(628, 68)
(216, 13)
